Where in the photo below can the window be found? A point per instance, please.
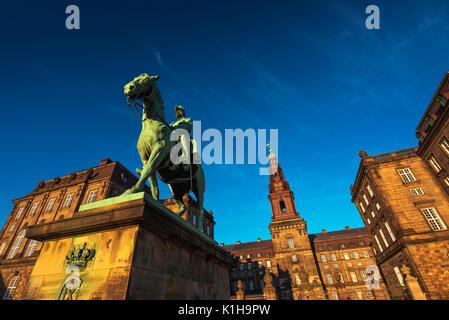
(371, 193)
(353, 276)
(326, 266)
(334, 296)
(11, 228)
(294, 258)
(2, 247)
(361, 206)
(323, 258)
(298, 280)
(329, 278)
(291, 244)
(349, 264)
(251, 285)
(320, 248)
(250, 265)
(31, 248)
(346, 255)
(433, 219)
(359, 295)
(446, 180)
(12, 285)
(268, 264)
(330, 247)
(356, 255)
(417, 192)
(366, 200)
(333, 257)
(92, 196)
(259, 255)
(33, 208)
(248, 256)
(365, 253)
(260, 264)
(50, 204)
(368, 220)
(406, 175)
(378, 243)
(241, 266)
(399, 275)
(383, 238)
(445, 146)
(282, 205)
(387, 226)
(435, 165)
(19, 213)
(194, 223)
(361, 243)
(16, 244)
(363, 275)
(208, 229)
(68, 200)
(341, 278)
(342, 245)
(373, 214)
(378, 206)
(262, 284)
(336, 266)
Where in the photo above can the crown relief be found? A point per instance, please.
(79, 255)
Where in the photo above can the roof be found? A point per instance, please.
(446, 76)
(340, 234)
(249, 245)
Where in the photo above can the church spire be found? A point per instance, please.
(281, 197)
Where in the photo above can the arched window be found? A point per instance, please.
(31, 248)
(12, 285)
(16, 244)
(282, 204)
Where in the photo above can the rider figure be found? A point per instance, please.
(186, 124)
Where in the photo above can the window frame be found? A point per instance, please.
(406, 175)
(433, 219)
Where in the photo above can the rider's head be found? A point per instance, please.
(179, 112)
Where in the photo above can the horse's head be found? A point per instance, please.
(141, 86)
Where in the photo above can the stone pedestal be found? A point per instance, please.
(126, 248)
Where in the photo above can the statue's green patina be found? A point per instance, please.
(154, 146)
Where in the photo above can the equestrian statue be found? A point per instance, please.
(155, 147)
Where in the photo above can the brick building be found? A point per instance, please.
(303, 266)
(57, 199)
(403, 200)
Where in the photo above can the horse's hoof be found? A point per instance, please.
(129, 191)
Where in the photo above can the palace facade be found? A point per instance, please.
(302, 266)
(403, 200)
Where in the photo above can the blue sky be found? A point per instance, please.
(307, 68)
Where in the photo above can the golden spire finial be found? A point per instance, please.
(271, 154)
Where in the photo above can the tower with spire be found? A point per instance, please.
(297, 271)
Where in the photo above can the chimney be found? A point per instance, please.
(258, 239)
(323, 230)
(105, 161)
(222, 244)
(346, 228)
(238, 242)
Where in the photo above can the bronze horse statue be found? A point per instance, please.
(154, 146)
